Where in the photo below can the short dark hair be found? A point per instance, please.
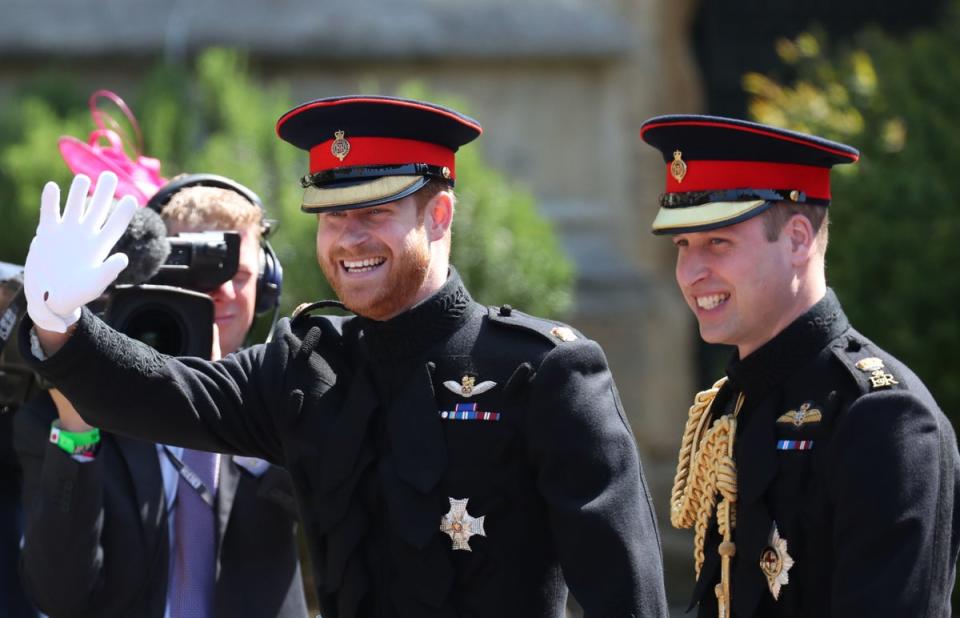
(775, 217)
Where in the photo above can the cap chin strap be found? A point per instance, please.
(699, 198)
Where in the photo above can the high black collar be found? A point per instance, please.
(788, 351)
(416, 330)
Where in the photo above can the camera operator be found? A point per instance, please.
(120, 527)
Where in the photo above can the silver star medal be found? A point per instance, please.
(775, 563)
(461, 525)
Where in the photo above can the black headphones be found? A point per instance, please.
(270, 279)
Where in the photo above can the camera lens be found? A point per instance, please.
(171, 320)
(158, 328)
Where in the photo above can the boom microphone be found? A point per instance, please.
(145, 244)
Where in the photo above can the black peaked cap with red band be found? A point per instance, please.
(369, 150)
(720, 171)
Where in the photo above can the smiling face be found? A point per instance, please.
(383, 260)
(743, 288)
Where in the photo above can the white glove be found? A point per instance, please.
(67, 266)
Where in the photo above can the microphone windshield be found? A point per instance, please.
(146, 245)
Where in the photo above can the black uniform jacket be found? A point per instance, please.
(372, 419)
(864, 493)
(96, 542)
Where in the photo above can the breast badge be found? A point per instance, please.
(878, 377)
(468, 387)
(461, 525)
(804, 416)
(776, 563)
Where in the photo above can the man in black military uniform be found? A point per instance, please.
(820, 475)
(450, 459)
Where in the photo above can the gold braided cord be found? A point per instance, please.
(706, 471)
(714, 475)
(727, 485)
(682, 511)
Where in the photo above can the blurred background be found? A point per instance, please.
(557, 196)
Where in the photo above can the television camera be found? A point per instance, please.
(160, 298)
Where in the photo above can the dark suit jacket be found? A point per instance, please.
(355, 410)
(870, 512)
(13, 602)
(96, 538)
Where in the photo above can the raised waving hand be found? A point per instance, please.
(68, 264)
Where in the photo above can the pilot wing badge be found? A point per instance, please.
(806, 415)
(468, 387)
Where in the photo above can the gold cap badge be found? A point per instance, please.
(340, 147)
(678, 169)
(563, 333)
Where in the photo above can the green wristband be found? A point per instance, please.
(74, 442)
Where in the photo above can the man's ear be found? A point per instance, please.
(439, 215)
(803, 240)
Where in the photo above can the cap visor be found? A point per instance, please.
(380, 190)
(706, 216)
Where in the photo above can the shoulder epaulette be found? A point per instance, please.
(554, 332)
(865, 364)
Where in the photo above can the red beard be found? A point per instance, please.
(395, 292)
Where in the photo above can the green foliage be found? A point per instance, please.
(213, 117)
(503, 248)
(29, 159)
(895, 222)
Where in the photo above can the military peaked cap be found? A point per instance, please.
(721, 171)
(369, 150)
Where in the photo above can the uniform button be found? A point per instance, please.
(506, 310)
